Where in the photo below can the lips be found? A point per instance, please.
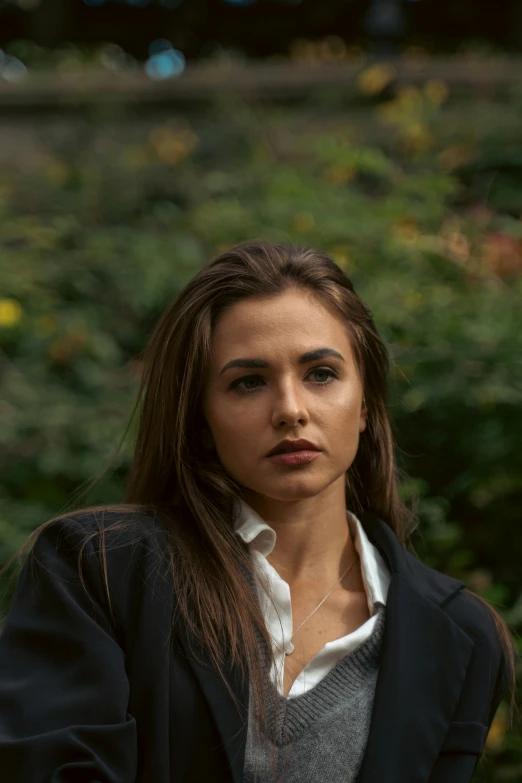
(286, 446)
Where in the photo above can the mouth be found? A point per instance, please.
(293, 446)
(301, 457)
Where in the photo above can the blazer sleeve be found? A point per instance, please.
(467, 735)
(63, 686)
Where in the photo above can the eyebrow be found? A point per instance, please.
(309, 356)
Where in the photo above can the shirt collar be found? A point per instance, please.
(254, 530)
(260, 537)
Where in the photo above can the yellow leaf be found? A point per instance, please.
(10, 312)
(497, 732)
(374, 79)
(418, 135)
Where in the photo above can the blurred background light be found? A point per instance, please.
(114, 57)
(12, 69)
(158, 46)
(165, 63)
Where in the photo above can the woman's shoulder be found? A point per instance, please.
(117, 536)
(474, 615)
(117, 523)
(114, 556)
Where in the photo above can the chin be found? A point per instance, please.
(290, 488)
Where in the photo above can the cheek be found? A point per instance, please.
(341, 424)
(343, 410)
(236, 431)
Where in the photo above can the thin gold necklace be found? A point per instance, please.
(290, 645)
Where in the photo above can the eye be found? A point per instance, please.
(235, 385)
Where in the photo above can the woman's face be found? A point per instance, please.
(250, 410)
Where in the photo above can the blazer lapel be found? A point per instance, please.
(423, 664)
(422, 669)
(231, 719)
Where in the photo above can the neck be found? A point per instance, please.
(313, 540)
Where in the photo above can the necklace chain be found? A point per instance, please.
(326, 596)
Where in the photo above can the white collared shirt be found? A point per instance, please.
(261, 538)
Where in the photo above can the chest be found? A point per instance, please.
(344, 613)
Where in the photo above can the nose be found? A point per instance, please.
(289, 405)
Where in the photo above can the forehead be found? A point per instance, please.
(293, 321)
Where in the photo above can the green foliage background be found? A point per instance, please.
(420, 201)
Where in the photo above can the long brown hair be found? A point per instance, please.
(175, 476)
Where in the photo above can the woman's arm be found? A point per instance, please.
(63, 686)
(466, 738)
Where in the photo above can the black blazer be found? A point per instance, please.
(86, 696)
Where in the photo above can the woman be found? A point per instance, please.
(252, 612)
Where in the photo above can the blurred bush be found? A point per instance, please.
(102, 225)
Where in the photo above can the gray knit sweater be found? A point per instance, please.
(321, 734)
